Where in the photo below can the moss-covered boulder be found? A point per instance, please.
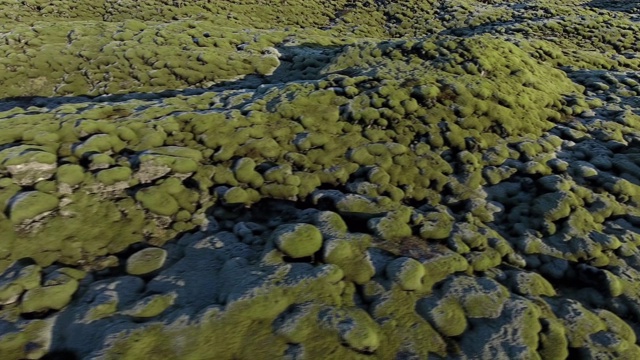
(393, 226)
(114, 175)
(146, 261)
(28, 164)
(54, 295)
(157, 201)
(407, 272)
(554, 206)
(480, 298)
(29, 204)
(529, 283)
(356, 329)
(151, 306)
(70, 174)
(437, 225)
(446, 315)
(17, 279)
(297, 240)
(349, 253)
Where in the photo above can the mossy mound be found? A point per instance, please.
(28, 205)
(298, 241)
(146, 261)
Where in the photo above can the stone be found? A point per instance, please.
(28, 205)
(16, 279)
(146, 261)
(50, 297)
(298, 240)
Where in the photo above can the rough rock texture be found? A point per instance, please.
(319, 179)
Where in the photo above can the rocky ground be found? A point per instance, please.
(346, 179)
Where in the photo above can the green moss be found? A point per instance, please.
(101, 161)
(151, 306)
(616, 325)
(254, 315)
(484, 260)
(47, 187)
(554, 206)
(102, 310)
(244, 171)
(266, 65)
(134, 25)
(553, 340)
(407, 272)
(330, 223)
(52, 297)
(99, 143)
(448, 317)
(116, 227)
(459, 94)
(151, 139)
(15, 281)
(19, 344)
(442, 266)
(27, 205)
(224, 175)
(266, 148)
(114, 175)
(157, 201)
(188, 199)
(480, 298)
(127, 135)
(378, 176)
(581, 325)
(308, 183)
(362, 333)
(362, 156)
(146, 261)
(298, 240)
(172, 185)
(346, 252)
(203, 177)
(437, 225)
(360, 205)
(529, 283)
(176, 164)
(280, 191)
(393, 226)
(278, 174)
(8, 192)
(22, 155)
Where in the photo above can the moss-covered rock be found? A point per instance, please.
(53, 296)
(151, 306)
(16, 279)
(348, 252)
(407, 272)
(480, 298)
(437, 225)
(393, 226)
(27, 340)
(27, 205)
(157, 201)
(446, 315)
(298, 240)
(528, 283)
(442, 265)
(146, 261)
(554, 206)
(114, 175)
(70, 174)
